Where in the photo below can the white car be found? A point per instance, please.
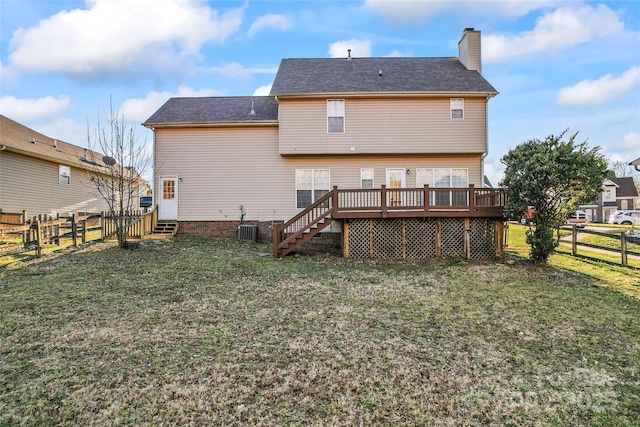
(625, 217)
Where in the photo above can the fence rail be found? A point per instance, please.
(623, 251)
(20, 234)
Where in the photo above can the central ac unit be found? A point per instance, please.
(248, 233)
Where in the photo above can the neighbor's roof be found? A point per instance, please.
(377, 75)
(215, 110)
(626, 187)
(19, 138)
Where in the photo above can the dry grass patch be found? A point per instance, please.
(208, 332)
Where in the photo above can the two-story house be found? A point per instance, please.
(617, 194)
(350, 144)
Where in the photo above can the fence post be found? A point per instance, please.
(38, 243)
(25, 233)
(83, 230)
(74, 230)
(623, 247)
(102, 225)
(574, 240)
(57, 228)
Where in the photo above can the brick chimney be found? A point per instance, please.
(469, 50)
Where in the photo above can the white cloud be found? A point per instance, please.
(233, 70)
(263, 90)
(32, 109)
(421, 11)
(270, 20)
(67, 130)
(563, 28)
(592, 92)
(494, 172)
(398, 54)
(140, 109)
(359, 48)
(115, 35)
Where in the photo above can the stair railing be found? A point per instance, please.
(287, 233)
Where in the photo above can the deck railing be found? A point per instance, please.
(426, 201)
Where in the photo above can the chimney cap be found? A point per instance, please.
(469, 29)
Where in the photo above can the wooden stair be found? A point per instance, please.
(163, 230)
(302, 227)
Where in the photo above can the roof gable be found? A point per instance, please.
(215, 110)
(626, 187)
(377, 75)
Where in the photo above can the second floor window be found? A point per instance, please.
(335, 116)
(457, 108)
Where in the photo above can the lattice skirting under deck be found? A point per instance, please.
(420, 238)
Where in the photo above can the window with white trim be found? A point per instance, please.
(335, 116)
(311, 184)
(456, 106)
(366, 178)
(64, 175)
(444, 178)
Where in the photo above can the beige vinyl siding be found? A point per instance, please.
(383, 126)
(469, 50)
(31, 184)
(223, 168)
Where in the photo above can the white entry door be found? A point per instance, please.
(168, 203)
(396, 178)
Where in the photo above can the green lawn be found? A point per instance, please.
(209, 332)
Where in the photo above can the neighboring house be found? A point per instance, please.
(617, 194)
(365, 124)
(42, 175)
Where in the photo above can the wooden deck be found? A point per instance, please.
(383, 202)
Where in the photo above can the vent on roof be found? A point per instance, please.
(253, 111)
(55, 143)
(348, 54)
(33, 141)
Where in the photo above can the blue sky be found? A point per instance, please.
(557, 64)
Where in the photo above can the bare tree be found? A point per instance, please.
(117, 176)
(625, 170)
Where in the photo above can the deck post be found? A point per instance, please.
(383, 200)
(334, 198)
(426, 198)
(472, 198)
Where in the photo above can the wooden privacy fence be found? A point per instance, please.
(619, 236)
(19, 234)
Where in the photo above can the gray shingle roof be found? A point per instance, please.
(627, 187)
(361, 75)
(215, 110)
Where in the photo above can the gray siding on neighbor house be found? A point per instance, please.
(384, 126)
(223, 168)
(31, 184)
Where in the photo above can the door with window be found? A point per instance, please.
(396, 178)
(168, 203)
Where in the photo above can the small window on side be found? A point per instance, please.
(64, 175)
(456, 106)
